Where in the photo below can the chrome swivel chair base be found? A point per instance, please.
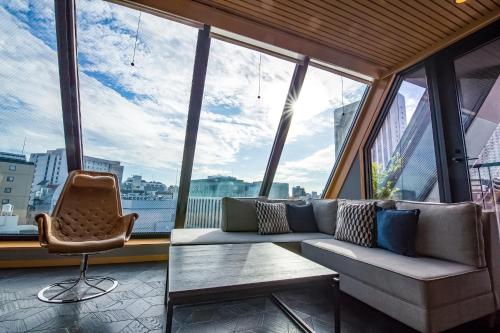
(70, 291)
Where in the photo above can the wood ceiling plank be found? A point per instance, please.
(424, 12)
(478, 7)
(359, 48)
(304, 14)
(399, 10)
(462, 33)
(471, 9)
(370, 31)
(488, 4)
(335, 13)
(358, 16)
(392, 20)
(454, 13)
(283, 23)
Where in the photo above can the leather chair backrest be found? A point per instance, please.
(88, 208)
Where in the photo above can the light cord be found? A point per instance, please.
(136, 38)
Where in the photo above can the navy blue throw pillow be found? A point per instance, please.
(301, 218)
(397, 230)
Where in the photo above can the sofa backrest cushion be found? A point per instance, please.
(449, 231)
(325, 213)
(287, 201)
(239, 214)
(385, 204)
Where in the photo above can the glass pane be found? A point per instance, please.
(322, 119)
(237, 128)
(134, 117)
(478, 78)
(32, 158)
(403, 161)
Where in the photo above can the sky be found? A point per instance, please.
(137, 115)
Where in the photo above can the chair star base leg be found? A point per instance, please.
(68, 291)
(80, 289)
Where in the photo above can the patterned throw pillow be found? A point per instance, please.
(356, 222)
(272, 218)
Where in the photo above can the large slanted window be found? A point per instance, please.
(238, 123)
(321, 121)
(134, 117)
(32, 168)
(478, 82)
(403, 160)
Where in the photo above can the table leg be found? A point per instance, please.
(336, 302)
(170, 314)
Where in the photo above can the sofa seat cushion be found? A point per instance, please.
(217, 236)
(422, 281)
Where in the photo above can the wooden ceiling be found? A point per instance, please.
(373, 37)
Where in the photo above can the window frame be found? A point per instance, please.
(9, 179)
(7, 190)
(449, 143)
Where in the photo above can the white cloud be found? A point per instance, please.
(310, 172)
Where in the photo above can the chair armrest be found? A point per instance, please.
(43, 221)
(128, 222)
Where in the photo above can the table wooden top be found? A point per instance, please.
(197, 269)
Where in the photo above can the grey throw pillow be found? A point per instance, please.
(239, 214)
(325, 213)
(272, 218)
(356, 222)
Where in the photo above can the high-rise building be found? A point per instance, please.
(51, 171)
(298, 192)
(343, 118)
(279, 190)
(98, 164)
(16, 175)
(220, 186)
(390, 133)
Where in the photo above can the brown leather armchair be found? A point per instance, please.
(87, 219)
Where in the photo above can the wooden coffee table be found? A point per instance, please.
(200, 274)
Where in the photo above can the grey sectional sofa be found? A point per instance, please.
(454, 279)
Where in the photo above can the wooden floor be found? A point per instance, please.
(137, 306)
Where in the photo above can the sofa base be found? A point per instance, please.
(423, 320)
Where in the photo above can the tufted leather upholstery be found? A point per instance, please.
(88, 216)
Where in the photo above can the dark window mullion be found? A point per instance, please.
(193, 121)
(65, 17)
(451, 156)
(284, 125)
(438, 129)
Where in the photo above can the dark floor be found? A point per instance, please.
(136, 305)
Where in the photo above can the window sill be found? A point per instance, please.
(16, 245)
(26, 254)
